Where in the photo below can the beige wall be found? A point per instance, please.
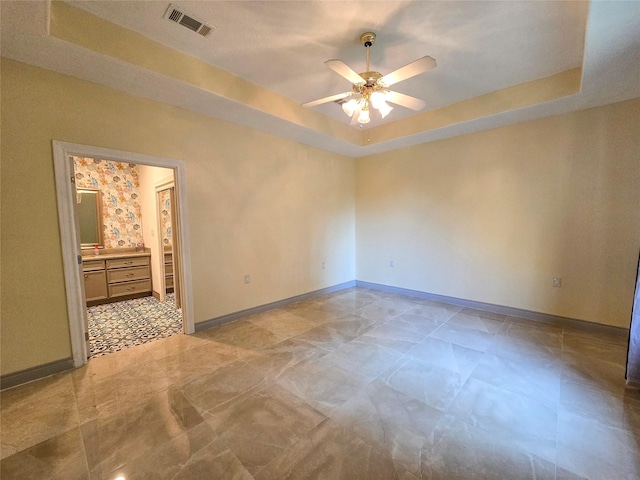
(257, 205)
(494, 215)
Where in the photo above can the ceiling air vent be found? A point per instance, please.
(177, 15)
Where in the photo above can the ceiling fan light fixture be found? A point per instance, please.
(377, 99)
(384, 109)
(364, 115)
(350, 107)
(372, 88)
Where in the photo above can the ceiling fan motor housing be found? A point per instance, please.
(371, 78)
(369, 86)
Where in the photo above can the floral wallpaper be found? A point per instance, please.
(165, 216)
(119, 185)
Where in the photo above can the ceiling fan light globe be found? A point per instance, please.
(385, 109)
(364, 116)
(349, 107)
(377, 99)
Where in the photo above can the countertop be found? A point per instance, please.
(111, 255)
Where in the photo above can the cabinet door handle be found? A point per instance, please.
(131, 289)
(129, 275)
(86, 275)
(128, 263)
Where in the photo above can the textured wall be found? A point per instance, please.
(493, 216)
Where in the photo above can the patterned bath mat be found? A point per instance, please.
(116, 326)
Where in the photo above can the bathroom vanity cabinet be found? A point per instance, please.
(113, 277)
(95, 280)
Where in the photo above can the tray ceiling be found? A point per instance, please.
(488, 53)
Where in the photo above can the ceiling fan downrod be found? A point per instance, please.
(368, 39)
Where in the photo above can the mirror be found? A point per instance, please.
(90, 217)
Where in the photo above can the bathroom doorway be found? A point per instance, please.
(121, 221)
(130, 262)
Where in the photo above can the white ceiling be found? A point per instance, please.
(480, 47)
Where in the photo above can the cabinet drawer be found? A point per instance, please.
(119, 289)
(90, 265)
(168, 281)
(168, 258)
(128, 274)
(95, 285)
(127, 262)
(168, 269)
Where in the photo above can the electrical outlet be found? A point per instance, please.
(323, 265)
(557, 282)
(392, 263)
(247, 279)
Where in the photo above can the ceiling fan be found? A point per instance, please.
(370, 89)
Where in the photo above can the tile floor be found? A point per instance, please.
(354, 385)
(119, 325)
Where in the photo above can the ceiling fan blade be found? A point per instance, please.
(343, 69)
(332, 98)
(404, 100)
(411, 70)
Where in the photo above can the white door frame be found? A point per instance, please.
(71, 256)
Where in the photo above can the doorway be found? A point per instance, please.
(118, 210)
(169, 281)
(70, 236)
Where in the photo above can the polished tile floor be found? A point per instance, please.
(354, 385)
